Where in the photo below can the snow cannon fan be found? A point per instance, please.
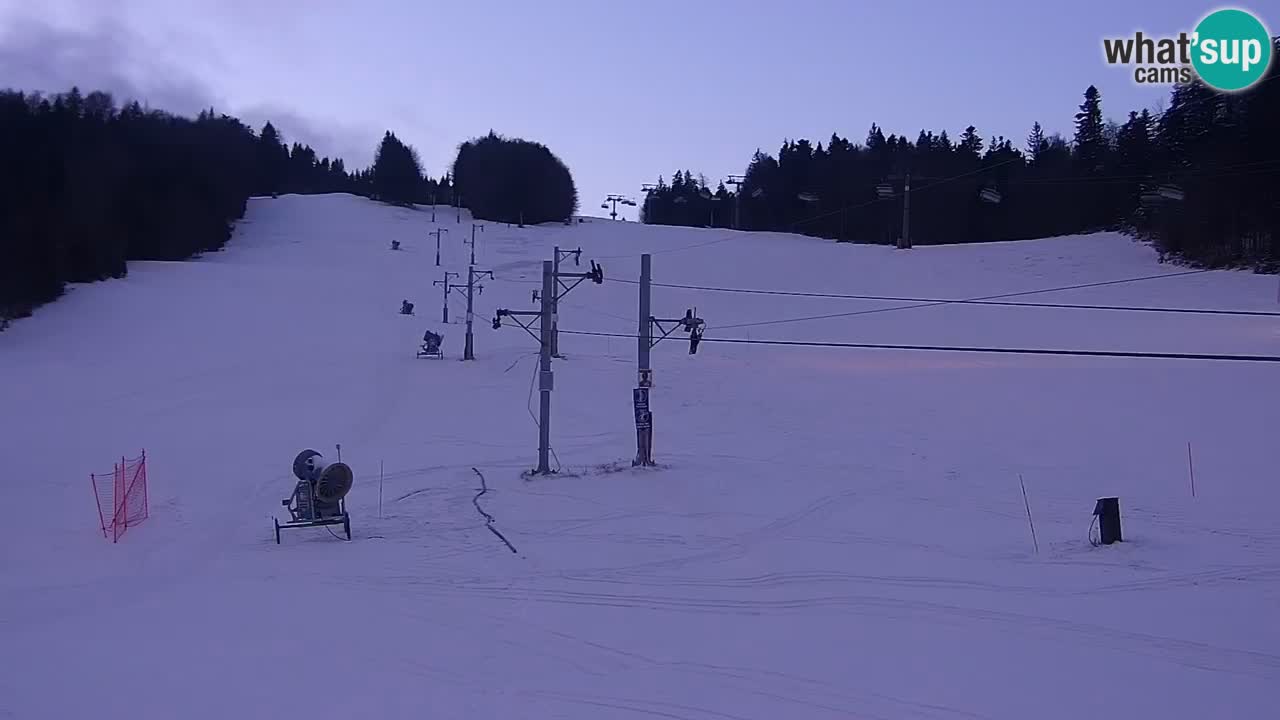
(330, 481)
(318, 497)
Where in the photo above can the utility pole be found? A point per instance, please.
(644, 373)
(555, 302)
(690, 323)
(545, 376)
(545, 315)
(437, 232)
(615, 199)
(458, 205)
(648, 189)
(736, 181)
(886, 191)
(468, 352)
(473, 240)
(545, 382)
(447, 287)
(905, 242)
(433, 206)
(712, 200)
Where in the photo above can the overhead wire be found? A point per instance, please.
(968, 349)
(985, 297)
(988, 300)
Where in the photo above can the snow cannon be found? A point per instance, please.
(332, 481)
(319, 497)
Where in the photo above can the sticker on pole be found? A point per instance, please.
(640, 399)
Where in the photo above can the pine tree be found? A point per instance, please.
(1090, 139)
(272, 161)
(1035, 142)
(970, 143)
(397, 173)
(875, 138)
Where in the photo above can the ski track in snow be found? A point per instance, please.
(829, 533)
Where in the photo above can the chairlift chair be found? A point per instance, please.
(1154, 195)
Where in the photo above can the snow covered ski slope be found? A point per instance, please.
(831, 532)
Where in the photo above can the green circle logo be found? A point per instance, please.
(1232, 50)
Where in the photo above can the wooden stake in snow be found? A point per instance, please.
(1192, 469)
(1030, 522)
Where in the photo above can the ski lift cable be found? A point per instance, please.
(966, 349)
(985, 300)
(1243, 169)
(857, 206)
(937, 303)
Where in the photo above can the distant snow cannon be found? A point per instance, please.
(319, 498)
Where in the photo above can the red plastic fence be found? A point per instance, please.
(125, 497)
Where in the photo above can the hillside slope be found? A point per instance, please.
(831, 533)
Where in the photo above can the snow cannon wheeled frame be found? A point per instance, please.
(319, 498)
(430, 347)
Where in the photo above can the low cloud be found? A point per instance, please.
(36, 56)
(354, 145)
(108, 56)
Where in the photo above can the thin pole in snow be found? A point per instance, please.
(379, 489)
(1027, 504)
(1192, 468)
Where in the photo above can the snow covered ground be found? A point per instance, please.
(831, 533)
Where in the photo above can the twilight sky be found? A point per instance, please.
(621, 92)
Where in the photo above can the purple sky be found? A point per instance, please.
(621, 92)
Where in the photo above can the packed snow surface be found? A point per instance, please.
(830, 532)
